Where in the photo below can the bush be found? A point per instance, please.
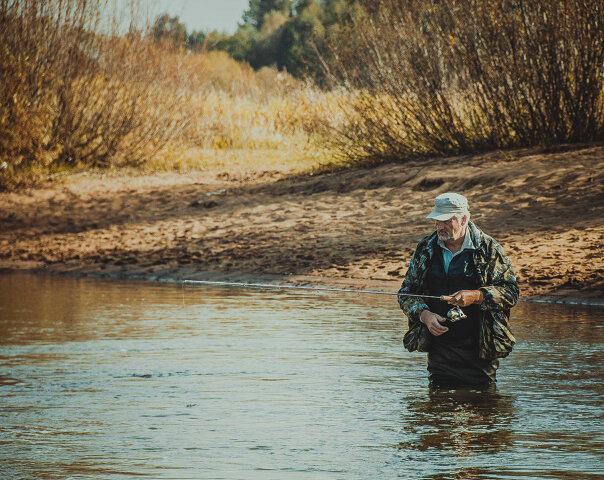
(75, 93)
(455, 76)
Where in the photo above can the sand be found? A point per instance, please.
(350, 228)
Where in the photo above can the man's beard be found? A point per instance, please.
(447, 237)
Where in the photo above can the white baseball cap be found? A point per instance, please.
(448, 204)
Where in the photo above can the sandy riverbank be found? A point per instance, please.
(351, 228)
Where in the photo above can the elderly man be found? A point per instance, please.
(461, 262)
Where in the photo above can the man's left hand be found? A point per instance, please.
(463, 298)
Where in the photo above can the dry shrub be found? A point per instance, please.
(77, 94)
(208, 72)
(445, 77)
(225, 121)
(227, 132)
(215, 71)
(234, 108)
(81, 93)
(231, 105)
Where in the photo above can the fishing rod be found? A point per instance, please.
(455, 314)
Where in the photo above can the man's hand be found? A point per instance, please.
(463, 298)
(433, 322)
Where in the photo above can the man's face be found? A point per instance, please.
(451, 229)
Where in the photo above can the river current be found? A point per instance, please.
(130, 379)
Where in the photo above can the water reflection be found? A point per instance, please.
(461, 421)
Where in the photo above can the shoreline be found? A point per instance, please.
(351, 227)
(348, 285)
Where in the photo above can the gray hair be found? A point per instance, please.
(459, 216)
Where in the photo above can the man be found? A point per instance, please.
(460, 261)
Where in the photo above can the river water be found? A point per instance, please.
(114, 380)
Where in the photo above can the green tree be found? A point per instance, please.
(241, 43)
(264, 50)
(258, 9)
(298, 39)
(170, 29)
(195, 41)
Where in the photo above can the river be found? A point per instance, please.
(129, 379)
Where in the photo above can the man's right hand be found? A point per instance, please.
(434, 322)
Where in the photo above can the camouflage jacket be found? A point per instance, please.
(496, 280)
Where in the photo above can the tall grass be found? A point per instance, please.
(452, 76)
(244, 119)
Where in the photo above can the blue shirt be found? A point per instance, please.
(448, 255)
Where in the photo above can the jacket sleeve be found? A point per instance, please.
(416, 337)
(411, 306)
(501, 288)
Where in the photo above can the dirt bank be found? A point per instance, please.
(353, 227)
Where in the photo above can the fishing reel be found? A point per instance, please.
(456, 314)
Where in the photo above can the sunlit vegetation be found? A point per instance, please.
(244, 119)
(441, 78)
(299, 85)
(75, 93)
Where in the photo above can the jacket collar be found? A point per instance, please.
(476, 234)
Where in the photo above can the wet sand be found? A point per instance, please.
(352, 228)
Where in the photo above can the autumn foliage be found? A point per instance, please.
(407, 79)
(432, 78)
(75, 92)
